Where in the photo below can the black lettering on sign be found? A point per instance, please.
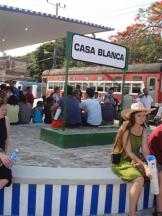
(110, 54)
(84, 48)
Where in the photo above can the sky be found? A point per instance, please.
(117, 14)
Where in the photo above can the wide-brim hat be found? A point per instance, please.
(135, 107)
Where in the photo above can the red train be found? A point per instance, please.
(101, 78)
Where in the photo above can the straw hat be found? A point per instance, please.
(135, 107)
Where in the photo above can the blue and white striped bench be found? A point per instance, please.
(38, 191)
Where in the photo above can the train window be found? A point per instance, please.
(136, 87)
(61, 85)
(137, 78)
(50, 85)
(85, 78)
(127, 87)
(100, 86)
(117, 87)
(92, 86)
(152, 84)
(117, 78)
(99, 78)
(107, 86)
(85, 86)
(72, 84)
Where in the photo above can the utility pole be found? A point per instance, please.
(58, 6)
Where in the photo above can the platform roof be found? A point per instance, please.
(22, 27)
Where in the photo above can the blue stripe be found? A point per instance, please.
(79, 200)
(64, 200)
(108, 200)
(94, 200)
(31, 199)
(122, 198)
(146, 196)
(48, 200)
(15, 199)
(1, 201)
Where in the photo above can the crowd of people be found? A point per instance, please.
(132, 141)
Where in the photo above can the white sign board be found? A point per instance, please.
(97, 51)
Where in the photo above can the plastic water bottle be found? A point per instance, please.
(57, 114)
(14, 155)
(154, 184)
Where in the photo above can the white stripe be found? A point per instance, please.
(23, 199)
(129, 185)
(115, 198)
(72, 200)
(56, 194)
(40, 192)
(7, 200)
(140, 201)
(87, 199)
(101, 199)
(151, 200)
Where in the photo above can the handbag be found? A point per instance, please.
(116, 154)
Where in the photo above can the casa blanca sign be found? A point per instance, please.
(97, 51)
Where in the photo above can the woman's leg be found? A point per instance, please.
(3, 183)
(134, 194)
(159, 196)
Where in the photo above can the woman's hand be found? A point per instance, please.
(147, 171)
(6, 161)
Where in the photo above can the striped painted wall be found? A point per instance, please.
(62, 200)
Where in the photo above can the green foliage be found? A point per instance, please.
(143, 38)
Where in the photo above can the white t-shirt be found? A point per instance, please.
(94, 111)
(147, 101)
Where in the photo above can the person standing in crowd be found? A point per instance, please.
(147, 100)
(29, 95)
(73, 114)
(130, 141)
(155, 147)
(140, 96)
(78, 88)
(158, 117)
(38, 112)
(127, 100)
(92, 108)
(57, 94)
(5, 161)
(109, 98)
(25, 110)
(13, 109)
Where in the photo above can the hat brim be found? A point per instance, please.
(125, 114)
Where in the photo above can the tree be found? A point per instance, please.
(144, 37)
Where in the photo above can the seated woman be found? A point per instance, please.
(131, 140)
(13, 109)
(5, 161)
(25, 110)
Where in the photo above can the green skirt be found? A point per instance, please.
(126, 171)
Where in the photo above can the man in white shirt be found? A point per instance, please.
(147, 100)
(93, 109)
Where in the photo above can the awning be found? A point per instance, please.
(21, 27)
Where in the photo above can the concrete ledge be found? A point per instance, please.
(67, 192)
(48, 175)
(72, 138)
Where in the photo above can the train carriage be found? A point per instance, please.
(101, 78)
